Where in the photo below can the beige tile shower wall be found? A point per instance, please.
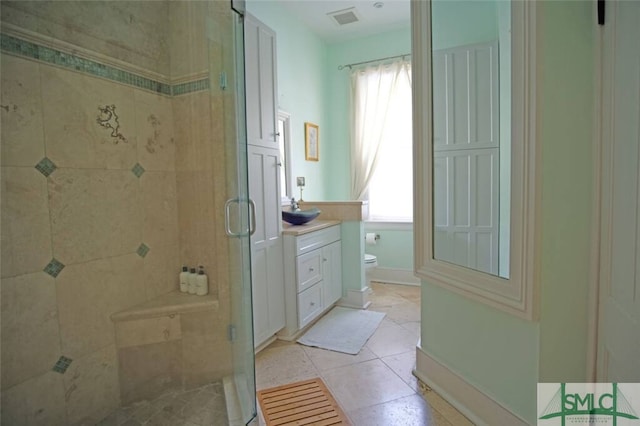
(92, 213)
(188, 46)
(204, 146)
(134, 32)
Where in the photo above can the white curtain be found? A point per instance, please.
(372, 89)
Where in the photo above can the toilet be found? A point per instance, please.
(370, 262)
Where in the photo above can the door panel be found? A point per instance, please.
(466, 207)
(619, 315)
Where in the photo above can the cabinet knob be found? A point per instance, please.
(324, 259)
(313, 303)
(311, 269)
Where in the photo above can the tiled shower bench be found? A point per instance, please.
(172, 341)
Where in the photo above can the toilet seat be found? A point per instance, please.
(370, 259)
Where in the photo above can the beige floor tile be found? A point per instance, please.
(447, 410)
(403, 365)
(365, 384)
(412, 410)
(401, 313)
(407, 291)
(325, 360)
(283, 364)
(375, 387)
(413, 327)
(391, 340)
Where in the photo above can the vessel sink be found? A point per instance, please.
(300, 217)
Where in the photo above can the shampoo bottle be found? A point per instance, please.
(192, 281)
(202, 283)
(184, 279)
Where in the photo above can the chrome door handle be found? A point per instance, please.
(227, 220)
(252, 214)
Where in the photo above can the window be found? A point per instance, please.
(284, 143)
(382, 168)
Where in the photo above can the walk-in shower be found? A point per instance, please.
(122, 140)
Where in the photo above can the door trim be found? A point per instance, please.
(600, 169)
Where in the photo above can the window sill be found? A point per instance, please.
(388, 225)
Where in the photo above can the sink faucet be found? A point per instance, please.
(294, 204)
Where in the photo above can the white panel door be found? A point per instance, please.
(261, 87)
(619, 316)
(466, 208)
(267, 268)
(332, 272)
(466, 107)
(466, 158)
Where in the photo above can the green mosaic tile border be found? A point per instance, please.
(46, 54)
(192, 86)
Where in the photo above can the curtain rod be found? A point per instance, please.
(341, 67)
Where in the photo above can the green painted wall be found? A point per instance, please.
(302, 58)
(509, 355)
(494, 351)
(353, 278)
(394, 249)
(566, 65)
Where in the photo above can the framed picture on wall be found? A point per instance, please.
(312, 141)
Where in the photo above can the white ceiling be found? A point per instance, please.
(394, 14)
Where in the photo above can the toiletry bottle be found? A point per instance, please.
(202, 283)
(192, 281)
(184, 279)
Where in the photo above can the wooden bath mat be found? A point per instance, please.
(302, 403)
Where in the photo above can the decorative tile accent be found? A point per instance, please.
(138, 170)
(46, 54)
(109, 120)
(54, 267)
(46, 167)
(62, 365)
(142, 250)
(192, 86)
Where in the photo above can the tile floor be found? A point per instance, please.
(375, 387)
(204, 406)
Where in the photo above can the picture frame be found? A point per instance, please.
(312, 142)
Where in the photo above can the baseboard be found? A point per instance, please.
(394, 276)
(264, 344)
(357, 299)
(477, 406)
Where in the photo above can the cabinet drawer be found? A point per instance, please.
(308, 269)
(309, 304)
(313, 240)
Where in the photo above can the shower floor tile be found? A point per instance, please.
(203, 406)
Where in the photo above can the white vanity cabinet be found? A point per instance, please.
(313, 273)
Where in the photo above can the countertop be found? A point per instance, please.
(314, 225)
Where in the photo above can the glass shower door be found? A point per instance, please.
(240, 386)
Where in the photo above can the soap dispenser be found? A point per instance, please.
(192, 281)
(202, 283)
(184, 279)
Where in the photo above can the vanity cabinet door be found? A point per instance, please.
(332, 272)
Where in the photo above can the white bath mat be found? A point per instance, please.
(343, 330)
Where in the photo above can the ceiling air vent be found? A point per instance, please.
(344, 16)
